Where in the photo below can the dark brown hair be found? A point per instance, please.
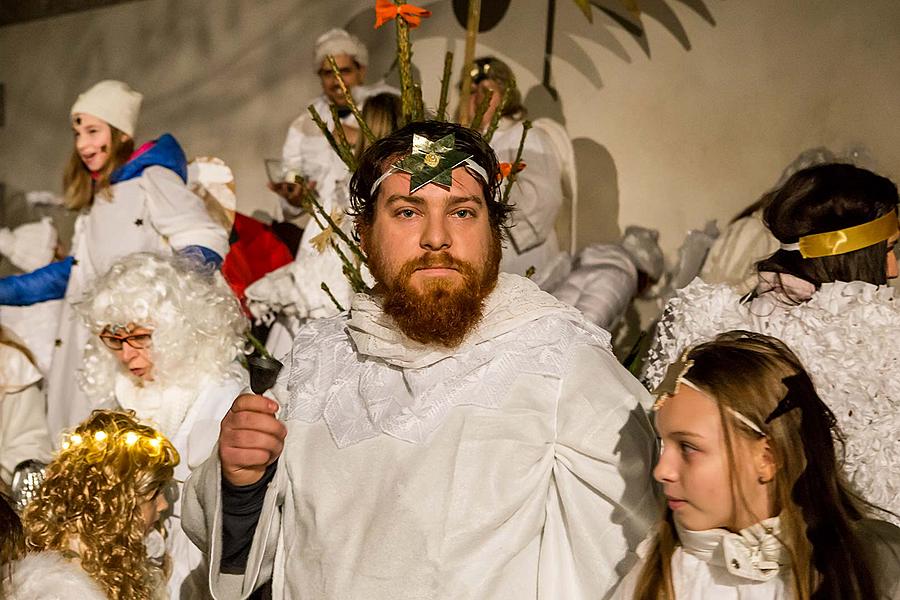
(383, 153)
(826, 198)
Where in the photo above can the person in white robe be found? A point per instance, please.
(829, 303)
(166, 338)
(23, 420)
(455, 435)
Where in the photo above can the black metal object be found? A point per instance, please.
(264, 372)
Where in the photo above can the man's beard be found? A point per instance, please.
(445, 311)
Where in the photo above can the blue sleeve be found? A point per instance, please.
(203, 255)
(46, 283)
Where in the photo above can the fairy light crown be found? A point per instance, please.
(431, 162)
(99, 438)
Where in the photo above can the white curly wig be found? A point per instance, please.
(198, 327)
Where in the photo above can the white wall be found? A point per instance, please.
(667, 137)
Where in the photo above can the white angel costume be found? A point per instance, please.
(845, 334)
(23, 421)
(515, 466)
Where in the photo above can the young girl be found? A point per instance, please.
(823, 293)
(100, 503)
(755, 505)
(130, 202)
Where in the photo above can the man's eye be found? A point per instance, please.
(464, 213)
(406, 213)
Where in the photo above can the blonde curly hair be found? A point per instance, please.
(90, 501)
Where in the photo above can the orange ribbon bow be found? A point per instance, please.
(386, 10)
(506, 169)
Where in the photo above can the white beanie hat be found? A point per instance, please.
(338, 41)
(112, 101)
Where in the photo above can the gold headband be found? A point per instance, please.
(846, 240)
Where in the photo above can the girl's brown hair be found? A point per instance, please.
(78, 185)
(753, 374)
(90, 501)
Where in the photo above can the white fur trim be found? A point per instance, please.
(48, 576)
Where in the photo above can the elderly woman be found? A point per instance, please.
(166, 339)
(823, 293)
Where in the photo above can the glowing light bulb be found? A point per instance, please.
(155, 443)
(131, 438)
(66, 445)
(100, 436)
(76, 439)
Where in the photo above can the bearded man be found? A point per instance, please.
(457, 434)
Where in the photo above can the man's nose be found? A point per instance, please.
(435, 235)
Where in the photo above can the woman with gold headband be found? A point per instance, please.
(99, 509)
(824, 293)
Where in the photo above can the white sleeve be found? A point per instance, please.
(23, 414)
(601, 502)
(180, 215)
(537, 194)
(291, 158)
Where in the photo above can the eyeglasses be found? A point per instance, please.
(138, 341)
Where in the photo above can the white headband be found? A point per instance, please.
(468, 163)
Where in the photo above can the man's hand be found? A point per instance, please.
(250, 439)
(292, 192)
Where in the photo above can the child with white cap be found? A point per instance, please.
(131, 201)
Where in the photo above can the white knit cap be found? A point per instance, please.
(112, 101)
(338, 41)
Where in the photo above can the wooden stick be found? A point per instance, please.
(526, 125)
(445, 87)
(323, 127)
(351, 103)
(480, 110)
(471, 35)
(495, 118)
(340, 137)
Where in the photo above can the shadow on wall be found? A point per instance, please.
(598, 178)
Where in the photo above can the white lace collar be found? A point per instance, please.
(753, 553)
(165, 407)
(514, 302)
(364, 378)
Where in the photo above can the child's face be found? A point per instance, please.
(152, 507)
(693, 466)
(93, 139)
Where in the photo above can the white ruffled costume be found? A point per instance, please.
(719, 565)
(845, 335)
(515, 466)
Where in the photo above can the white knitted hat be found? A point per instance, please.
(338, 41)
(112, 101)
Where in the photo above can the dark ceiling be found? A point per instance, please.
(19, 11)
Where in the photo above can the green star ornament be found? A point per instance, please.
(432, 162)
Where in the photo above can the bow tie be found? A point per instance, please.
(754, 553)
(343, 111)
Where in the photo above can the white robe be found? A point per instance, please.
(154, 212)
(194, 434)
(516, 466)
(23, 422)
(537, 197)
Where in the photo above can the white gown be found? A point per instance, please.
(516, 466)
